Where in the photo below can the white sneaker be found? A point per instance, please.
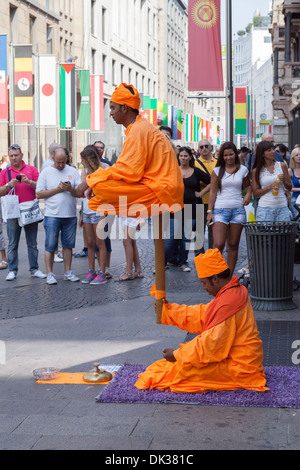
(70, 276)
(51, 279)
(58, 259)
(185, 268)
(11, 276)
(39, 274)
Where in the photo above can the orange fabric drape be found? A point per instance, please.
(227, 356)
(146, 173)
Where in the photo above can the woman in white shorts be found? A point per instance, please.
(130, 226)
(226, 209)
(91, 163)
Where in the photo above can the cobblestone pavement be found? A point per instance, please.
(34, 297)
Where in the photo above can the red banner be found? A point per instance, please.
(205, 56)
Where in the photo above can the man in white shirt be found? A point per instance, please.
(57, 184)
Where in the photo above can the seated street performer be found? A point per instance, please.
(227, 354)
(146, 172)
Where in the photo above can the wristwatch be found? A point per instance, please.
(209, 211)
(7, 186)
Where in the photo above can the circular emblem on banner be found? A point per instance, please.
(23, 84)
(47, 89)
(205, 13)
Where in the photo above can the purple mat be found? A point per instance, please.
(284, 384)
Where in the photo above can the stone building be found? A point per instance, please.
(286, 80)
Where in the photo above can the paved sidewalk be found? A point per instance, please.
(121, 328)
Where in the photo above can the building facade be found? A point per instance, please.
(252, 63)
(286, 80)
(142, 42)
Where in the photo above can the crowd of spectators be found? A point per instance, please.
(222, 183)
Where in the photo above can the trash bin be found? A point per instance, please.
(271, 252)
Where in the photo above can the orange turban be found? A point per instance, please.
(123, 95)
(210, 263)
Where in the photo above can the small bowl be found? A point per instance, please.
(46, 373)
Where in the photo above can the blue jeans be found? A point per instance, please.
(55, 225)
(13, 233)
(177, 239)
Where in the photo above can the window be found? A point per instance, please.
(93, 64)
(104, 66)
(113, 72)
(93, 17)
(103, 24)
(13, 24)
(49, 39)
(32, 20)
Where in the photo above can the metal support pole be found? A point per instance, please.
(229, 88)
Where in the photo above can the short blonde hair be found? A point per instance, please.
(295, 152)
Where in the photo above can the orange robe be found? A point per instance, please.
(146, 172)
(226, 356)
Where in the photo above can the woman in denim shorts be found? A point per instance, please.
(226, 209)
(270, 179)
(91, 163)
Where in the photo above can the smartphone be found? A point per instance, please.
(19, 178)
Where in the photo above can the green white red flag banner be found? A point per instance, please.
(67, 96)
(84, 118)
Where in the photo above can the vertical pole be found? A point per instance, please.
(229, 91)
(160, 275)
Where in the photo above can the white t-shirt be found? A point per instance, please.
(266, 178)
(231, 195)
(62, 205)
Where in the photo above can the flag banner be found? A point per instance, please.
(97, 102)
(205, 46)
(3, 79)
(153, 111)
(160, 113)
(179, 124)
(84, 117)
(174, 123)
(145, 113)
(67, 96)
(23, 84)
(165, 114)
(241, 111)
(170, 116)
(47, 90)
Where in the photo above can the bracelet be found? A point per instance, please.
(209, 211)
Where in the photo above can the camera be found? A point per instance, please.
(19, 178)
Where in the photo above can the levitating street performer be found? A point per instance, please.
(227, 353)
(146, 172)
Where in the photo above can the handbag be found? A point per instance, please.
(30, 213)
(10, 206)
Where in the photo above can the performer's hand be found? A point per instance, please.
(168, 355)
(164, 301)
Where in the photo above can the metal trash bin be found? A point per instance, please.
(271, 252)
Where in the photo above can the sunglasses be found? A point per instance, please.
(14, 147)
(204, 147)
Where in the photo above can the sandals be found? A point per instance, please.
(124, 277)
(3, 265)
(138, 275)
